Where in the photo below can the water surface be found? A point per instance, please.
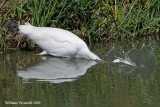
(26, 78)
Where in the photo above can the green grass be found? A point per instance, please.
(91, 20)
(143, 19)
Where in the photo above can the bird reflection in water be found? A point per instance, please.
(56, 70)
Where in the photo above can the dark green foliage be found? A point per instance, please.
(90, 19)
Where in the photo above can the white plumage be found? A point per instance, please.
(57, 42)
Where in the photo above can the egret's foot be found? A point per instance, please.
(42, 53)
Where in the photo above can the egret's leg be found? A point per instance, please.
(42, 53)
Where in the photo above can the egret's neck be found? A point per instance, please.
(92, 56)
(87, 54)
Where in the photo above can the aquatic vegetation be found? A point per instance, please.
(91, 20)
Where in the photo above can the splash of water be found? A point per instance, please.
(125, 60)
(143, 57)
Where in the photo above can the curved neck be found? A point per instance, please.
(92, 56)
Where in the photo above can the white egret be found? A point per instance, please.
(57, 42)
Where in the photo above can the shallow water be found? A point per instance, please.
(61, 82)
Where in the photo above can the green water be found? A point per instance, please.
(28, 79)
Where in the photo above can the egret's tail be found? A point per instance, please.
(25, 29)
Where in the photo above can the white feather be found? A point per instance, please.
(57, 42)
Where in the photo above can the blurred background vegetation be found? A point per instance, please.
(91, 20)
